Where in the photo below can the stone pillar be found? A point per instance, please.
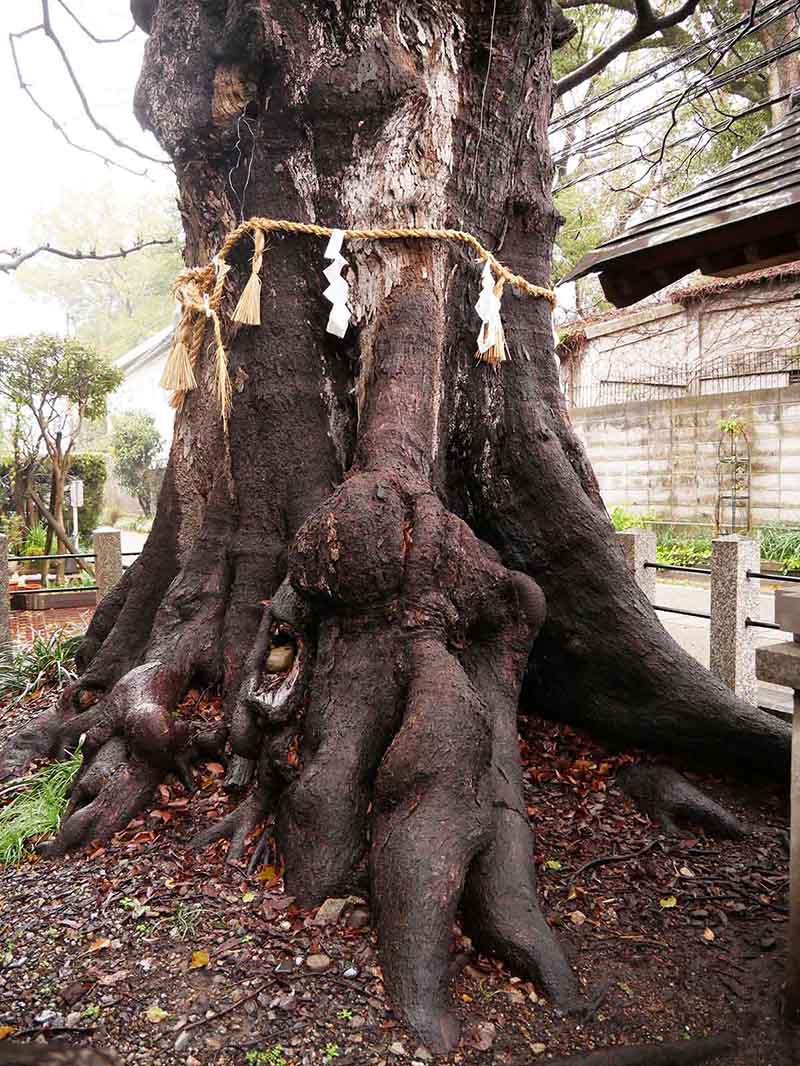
(639, 547)
(107, 559)
(734, 599)
(5, 608)
(780, 664)
(793, 983)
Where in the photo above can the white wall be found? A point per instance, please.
(724, 342)
(141, 391)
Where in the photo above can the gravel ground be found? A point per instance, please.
(169, 957)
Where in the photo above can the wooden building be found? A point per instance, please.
(745, 217)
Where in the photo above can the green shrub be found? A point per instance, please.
(112, 515)
(92, 469)
(690, 552)
(622, 519)
(13, 525)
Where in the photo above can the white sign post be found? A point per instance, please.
(76, 501)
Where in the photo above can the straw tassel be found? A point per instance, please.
(248, 309)
(178, 374)
(222, 379)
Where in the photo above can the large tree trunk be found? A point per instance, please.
(783, 73)
(414, 497)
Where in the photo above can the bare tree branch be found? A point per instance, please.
(88, 32)
(50, 33)
(45, 26)
(12, 38)
(17, 257)
(647, 23)
(674, 114)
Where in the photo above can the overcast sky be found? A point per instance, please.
(38, 163)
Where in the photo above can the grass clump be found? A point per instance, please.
(38, 805)
(782, 544)
(47, 660)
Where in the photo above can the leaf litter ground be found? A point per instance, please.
(168, 957)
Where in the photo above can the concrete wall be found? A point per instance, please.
(660, 458)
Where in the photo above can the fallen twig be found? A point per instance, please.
(50, 1032)
(603, 859)
(228, 1010)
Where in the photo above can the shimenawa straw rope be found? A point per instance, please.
(199, 291)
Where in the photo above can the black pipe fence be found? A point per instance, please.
(50, 592)
(707, 570)
(681, 569)
(53, 558)
(773, 577)
(681, 610)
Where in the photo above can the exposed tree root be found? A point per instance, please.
(235, 827)
(430, 635)
(677, 1053)
(667, 797)
(132, 737)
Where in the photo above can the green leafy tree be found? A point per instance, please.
(137, 444)
(58, 383)
(110, 304)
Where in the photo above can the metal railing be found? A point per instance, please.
(706, 570)
(730, 372)
(681, 569)
(51, 592)
(57, 557)
(681, 610)
(734, 567)
(773, 577)
(52, 558)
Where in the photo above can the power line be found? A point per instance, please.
(719, 127)
(680, 60)
(593, 143)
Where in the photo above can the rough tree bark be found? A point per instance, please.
(358, 560)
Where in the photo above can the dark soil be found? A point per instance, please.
(679, 936)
